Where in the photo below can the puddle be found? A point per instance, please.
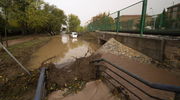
(64, 49)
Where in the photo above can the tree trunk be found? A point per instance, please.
(5, 28)
(1, 38)
(24, 28)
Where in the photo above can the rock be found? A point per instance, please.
(117, 48)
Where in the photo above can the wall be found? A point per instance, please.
(162, 49)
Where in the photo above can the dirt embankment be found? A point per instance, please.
(15, 84)
(73, 76)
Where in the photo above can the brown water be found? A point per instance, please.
(94, 90)
(63, 48)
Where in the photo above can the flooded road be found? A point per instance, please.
(61, 49)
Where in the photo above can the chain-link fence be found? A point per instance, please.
(164, 15)
(127, 18)
(143, 16)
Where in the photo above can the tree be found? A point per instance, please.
(101, 22)
(1, 28)
(36, 18)
(80, 29)
(30, 16)
(6, 6)
(56, 18)
(73, 22)
(20, 9)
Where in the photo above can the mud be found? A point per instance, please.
(8, 67)
(63, 47)
(20, 88)
(15, 84)
(80, 70)
(94, 90)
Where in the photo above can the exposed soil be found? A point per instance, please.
(20, 88)
(8, 67)
(20, 40)
(15, 84)
(80, 72)
(94, 90)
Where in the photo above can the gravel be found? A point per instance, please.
(117, 48)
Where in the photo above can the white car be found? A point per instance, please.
(74, 34)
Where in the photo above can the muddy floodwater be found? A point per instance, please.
(61, 49)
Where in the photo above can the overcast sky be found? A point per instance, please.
(85, 9)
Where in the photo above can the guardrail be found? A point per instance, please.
(170, 88)
(40, 90)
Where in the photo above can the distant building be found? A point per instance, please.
(132, 22)
(173, 14)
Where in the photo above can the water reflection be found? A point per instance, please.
(74, 40)
(65, 49)
(64, 38)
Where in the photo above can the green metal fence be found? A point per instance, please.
(166, 18)
(139, 17)
(124, 19)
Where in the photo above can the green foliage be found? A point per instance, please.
(36, 19)
(73, 22)
(30, 16)
(2, 21)
(101, 22)
(56, 18)
(80, 29)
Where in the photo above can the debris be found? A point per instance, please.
(71, 77)
(117, 48)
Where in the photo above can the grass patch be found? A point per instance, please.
(8, 67)
(12, 38)
(18, 48)
(14, 82)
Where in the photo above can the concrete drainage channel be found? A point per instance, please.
(93, 90)
(41, 90)
(100, 72)
(164, 87)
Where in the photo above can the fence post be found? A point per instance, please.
(161, 20)
(143, 17)
(117, 21)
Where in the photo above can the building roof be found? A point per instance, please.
(174, 6)
(134, 16)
